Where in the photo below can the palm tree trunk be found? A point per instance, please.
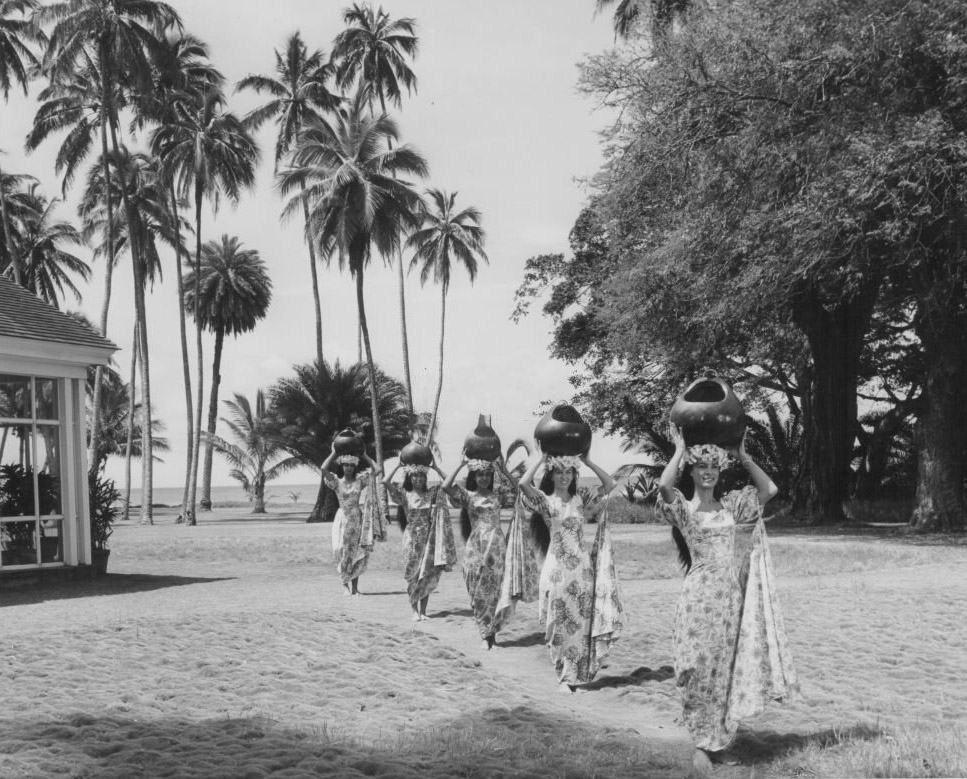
(11, 250)
(315, 277)
(439, 381)
(108, 277)
(199, 395)
(206, 481)
(377, 425)
(184, 348)
(132, 405)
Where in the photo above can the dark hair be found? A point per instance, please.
(686, 486)
(407, 483)
(539, 529)
(466, 527)
(401, 517)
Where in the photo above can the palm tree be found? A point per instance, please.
(357, 200)
(17, 30)
(234, 294)
(372, 50)
(208, 152)
(46, 263)
(663, 14)
(255, 456)
(322, 399)
(445, 236)
(184, 74)
(297, 92)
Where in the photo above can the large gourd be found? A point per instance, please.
(708, 412)
(563, 432)
(415, 453)
(483, 443)
(348, 441)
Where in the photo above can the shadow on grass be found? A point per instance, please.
(637, 678)
(111, 584)
(531, 639)
(481, 743)
(752, 747)
(453, 613)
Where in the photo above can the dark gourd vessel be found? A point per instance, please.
(483, 443)
(708, 412)
(563, 432)
(415, 453)
(348, 441)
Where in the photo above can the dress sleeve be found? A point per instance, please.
(459, 497)
(536, 503)
(744, 505)
(674, 513)
(330, 481)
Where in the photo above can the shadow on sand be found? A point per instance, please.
(531, 639)
(111, 584)
(638, 677)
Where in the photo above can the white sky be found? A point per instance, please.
(499, 119)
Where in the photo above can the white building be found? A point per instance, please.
(44, 360)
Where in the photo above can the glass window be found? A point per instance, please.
(46, 395)
(16, 471)
(14, 397)
(47, 441)
(18, 542)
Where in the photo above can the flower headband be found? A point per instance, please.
(347, 459)
(706, 453)
(562, 462)
(480, 465)
(409, 470)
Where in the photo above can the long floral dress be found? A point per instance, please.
(579, 602)
(484, 553)
(352, 528)
(428, 545)
(730, 646)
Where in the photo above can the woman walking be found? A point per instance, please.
(352, 528)
(579, 602)
(428, 545)
(731, 653)
(486, 548)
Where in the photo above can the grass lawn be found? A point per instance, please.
(228, 650)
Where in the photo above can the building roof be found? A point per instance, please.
(24, 315)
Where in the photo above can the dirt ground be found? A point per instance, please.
(229, 650)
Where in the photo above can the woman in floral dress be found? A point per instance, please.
(579, 602)
(428, 545)
(352, 528)
(486, 548)
(731, 653)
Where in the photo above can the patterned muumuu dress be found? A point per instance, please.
(428, 545)
(579, 602)
(731, 651)
(352, 527)
(484, 553)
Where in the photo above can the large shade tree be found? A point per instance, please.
(360, 200)
(233, 293)
(372, 51)
(446, 237)
(298, 90)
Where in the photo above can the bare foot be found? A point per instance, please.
(701, 763)
(415, 617)
(564, 688)
(724, 757)
(423, 617)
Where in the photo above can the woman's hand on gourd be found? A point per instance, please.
(675, 433)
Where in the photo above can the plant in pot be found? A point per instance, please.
(103, 497)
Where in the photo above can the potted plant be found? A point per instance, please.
(103, 496)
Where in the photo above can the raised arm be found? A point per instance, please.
(764, 484)
(371, 462)
(328, 461)
(607, 483)
(669, 476)
(389, 477)
(501, 466)
(527, 480)
(448, 481)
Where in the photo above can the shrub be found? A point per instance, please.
(103, 498)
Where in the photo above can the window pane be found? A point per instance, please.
(16, 471)
(51, 541)
(48, 469)
(18, 542)
(14, 396)
(46, 398)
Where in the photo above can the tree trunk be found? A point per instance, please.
(876, 454)
(206, 483)
(132, 386)
(939, 502)
(200, 389)
(439, 381)
(315, 276)
(835, 337)
(8, 236)
(259, 499)
(182, 331)
(374, 402)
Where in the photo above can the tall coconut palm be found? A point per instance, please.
(19, 210)
(17, 33)
(120, 37)
(322, 399)
(664, 14)
(445, 237)
(47, 265)
(234, 292)
(209, 153)
(357, 200)
(255, 457)
(372, 51)
(297, 92)
(184, 74)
